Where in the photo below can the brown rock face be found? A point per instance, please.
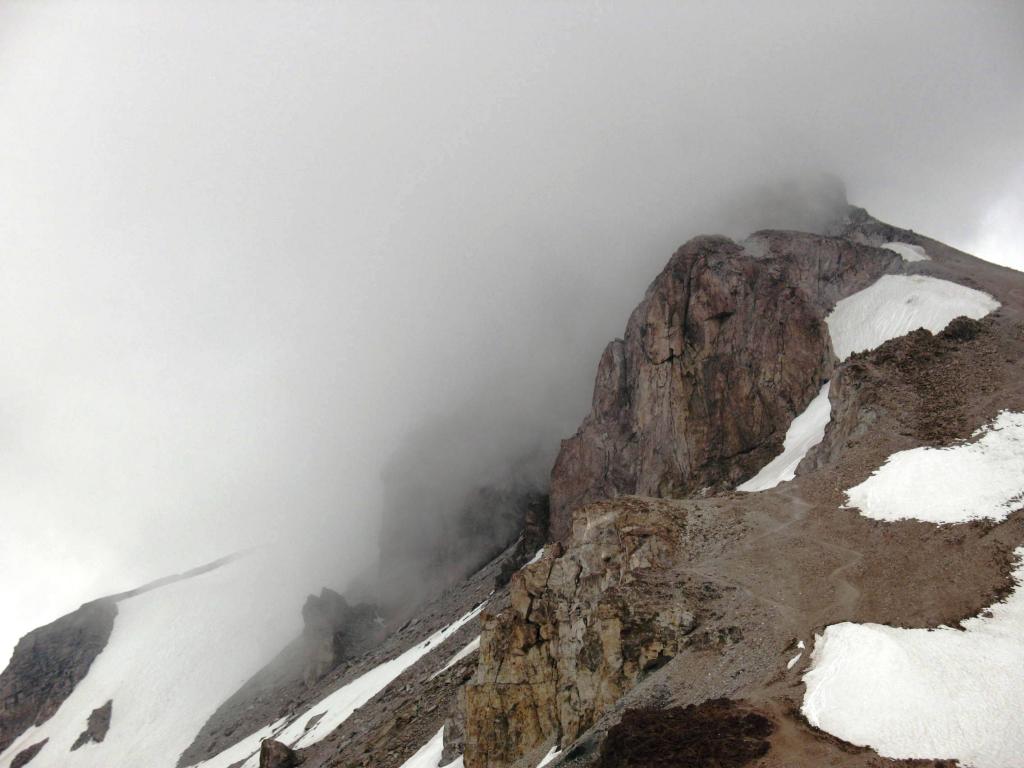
(727, 347)
(582, 628)
(96, 726)
(274, 754)
(47, 665)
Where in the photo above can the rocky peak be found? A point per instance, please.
(727, 346)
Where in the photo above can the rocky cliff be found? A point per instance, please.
(727, 346)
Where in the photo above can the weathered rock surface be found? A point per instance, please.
(581, 630)
(96, 726)
(728, 345)
(48, 663)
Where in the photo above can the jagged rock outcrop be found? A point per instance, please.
(274, 754)
(334, 631)
(96, 726)
(581, 630)
(727, 346)
(48, 663)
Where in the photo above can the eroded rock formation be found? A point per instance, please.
(728, 345)
(582, 628)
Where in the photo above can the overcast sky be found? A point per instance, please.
(247, 247)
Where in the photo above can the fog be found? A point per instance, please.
(253, 250)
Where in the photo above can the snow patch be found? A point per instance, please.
(336, 707)
(792, 662)
(907, 251)
(536, 558)
(804, 433)
(929, 694)
(551, 755)
(896, 305)
(159, 670)
(982, 479)
(429, 755)
(470, 647)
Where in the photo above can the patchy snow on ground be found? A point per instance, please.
(929, 694)
(336, 707)
(980, 479)
(804, 433)
(895, 305)
(907, 251)
(429, 755)
(160, 672)
(551, 755)
(470, 647)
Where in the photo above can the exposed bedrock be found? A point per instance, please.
(728, 345)
(47, 665)
(582, 628)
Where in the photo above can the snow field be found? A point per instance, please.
(895, 305)
(982, 479)
(922, 693)
(174, 655)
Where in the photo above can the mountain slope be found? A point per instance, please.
(805, 446)
(177, 649)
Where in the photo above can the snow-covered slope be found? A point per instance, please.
(898, 304)
(335, 708)
(175, 653)
(982, 479)
(804, 433)
(923, 693)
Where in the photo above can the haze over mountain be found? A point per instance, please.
(253, 251)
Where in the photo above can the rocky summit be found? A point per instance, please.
(788, 533)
